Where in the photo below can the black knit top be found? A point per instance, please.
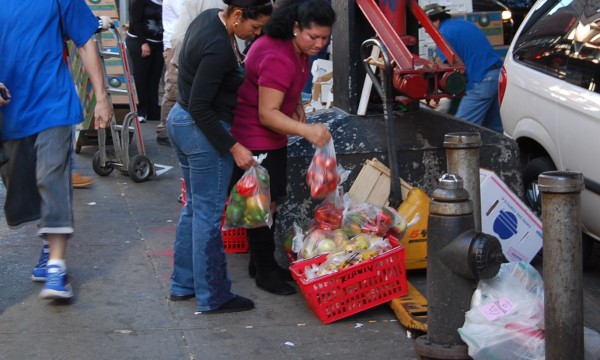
(209, 77)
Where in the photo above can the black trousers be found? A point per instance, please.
(147, 72)
(262, 247)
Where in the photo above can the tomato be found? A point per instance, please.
(329, 163)
(331, 186)
(383, 217)
(246, 186)
(319, 159)
(235, 197)
(328, 217)
(330, 176)
(316, 191)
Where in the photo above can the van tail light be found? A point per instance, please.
(502, 80)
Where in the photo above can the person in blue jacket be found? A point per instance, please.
(38, 120)
(480, 105)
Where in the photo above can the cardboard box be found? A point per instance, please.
(490, 23)
(104, 8)
(118, 82)
(506, 217)
(372, 185)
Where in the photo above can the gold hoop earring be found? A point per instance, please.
(235, 23)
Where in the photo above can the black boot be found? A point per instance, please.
(286, 274)
(262, 254)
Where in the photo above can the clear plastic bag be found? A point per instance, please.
(249, 204)
(314, 243)
(360, 248)
(373, 219)
(322, 176)
(506, 319)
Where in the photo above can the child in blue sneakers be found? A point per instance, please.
(38, 120)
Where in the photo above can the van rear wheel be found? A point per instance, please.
(532, 170)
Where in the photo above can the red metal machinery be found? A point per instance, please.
(413, 78)
(405, 77)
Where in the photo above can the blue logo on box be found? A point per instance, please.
(505, 225)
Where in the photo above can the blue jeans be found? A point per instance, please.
(200, 263)
(480, 106)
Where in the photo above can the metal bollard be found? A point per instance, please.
(457, 256)
(563, 269)
(462, 158)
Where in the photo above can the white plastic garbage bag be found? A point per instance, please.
(506, 319)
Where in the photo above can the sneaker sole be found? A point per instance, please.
(38, 278)
(56, 294)
(225, 311)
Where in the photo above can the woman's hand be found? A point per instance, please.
(145, 50)
(242, 156)
(317, 134)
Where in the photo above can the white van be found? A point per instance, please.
(550, 99)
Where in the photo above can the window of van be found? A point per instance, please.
(562, 39)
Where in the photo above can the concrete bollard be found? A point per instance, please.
(563, 269)
(462, 159)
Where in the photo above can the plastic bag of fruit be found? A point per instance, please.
(322, 176)
(329, 213)
(361, 248)
(249, 204)
(314, 243)
(373, 219)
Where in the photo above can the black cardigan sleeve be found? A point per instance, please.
(207, 85)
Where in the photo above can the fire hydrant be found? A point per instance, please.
(458, 256)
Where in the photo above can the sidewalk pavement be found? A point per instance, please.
(120, 261)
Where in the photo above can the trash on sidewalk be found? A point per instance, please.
(506, 319)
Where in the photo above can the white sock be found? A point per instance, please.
(59, 262)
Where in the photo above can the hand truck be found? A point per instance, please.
(139, 167)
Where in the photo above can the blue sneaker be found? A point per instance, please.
(39, 271)
(57, 284)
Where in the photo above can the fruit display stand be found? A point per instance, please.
(356, 288)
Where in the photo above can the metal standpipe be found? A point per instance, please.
(563, 269)
(457, 257)
(462, 159)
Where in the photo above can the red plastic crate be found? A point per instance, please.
(234, 240)
(356, 288)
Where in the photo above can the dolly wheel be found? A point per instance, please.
(140, 168)
(101, 169)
